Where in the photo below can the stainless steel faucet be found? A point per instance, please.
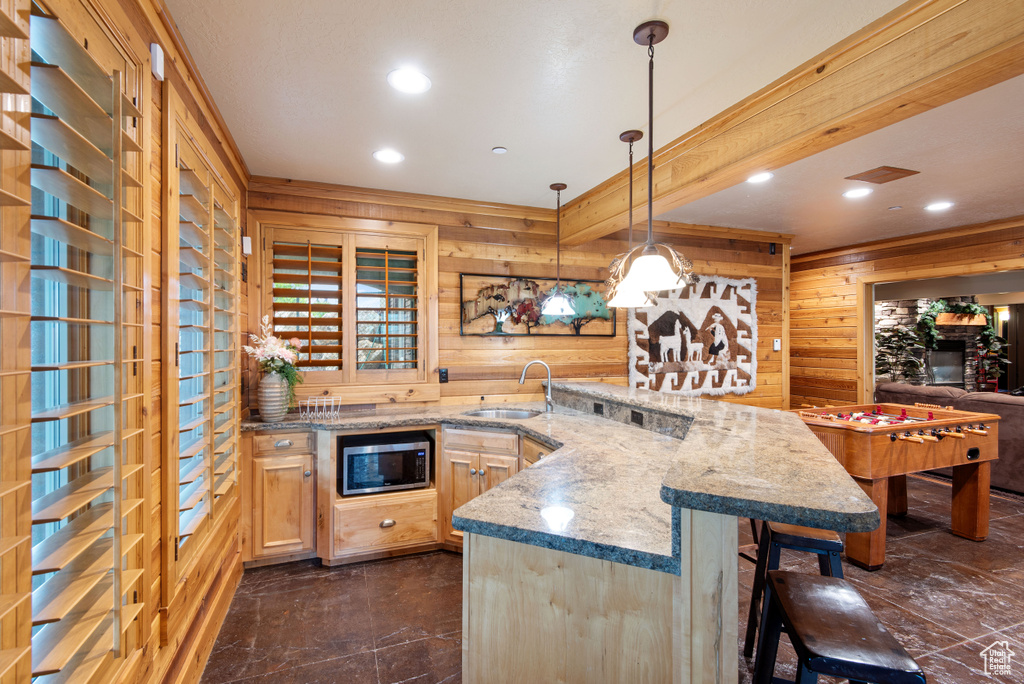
(549, 405)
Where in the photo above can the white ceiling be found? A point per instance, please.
(970, 152)
(301, 84)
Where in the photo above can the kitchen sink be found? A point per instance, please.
(517, 414)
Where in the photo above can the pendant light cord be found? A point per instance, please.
(630, 194)
(558, 244)
(650, 142)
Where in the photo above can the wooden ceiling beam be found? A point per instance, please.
(922, 55)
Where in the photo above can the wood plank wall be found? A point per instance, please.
(477, 237)
(182, 656)
(829, 307)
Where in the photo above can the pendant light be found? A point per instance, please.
(559, 303)
(626, 297)
(658, 267)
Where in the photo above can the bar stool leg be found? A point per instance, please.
(832, 566)
(805, 676)
(767, 640)
(760, 577)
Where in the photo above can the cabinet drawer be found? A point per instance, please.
(479, 440)
(283, 443)
(533, 451)
(382, 522)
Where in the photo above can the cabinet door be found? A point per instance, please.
(282, 497)
(495, 469)
(460, 472)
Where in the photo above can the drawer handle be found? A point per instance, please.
(387, 522)
(472, 471)
(307, 473)
(283, 443)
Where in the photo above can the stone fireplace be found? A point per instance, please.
(906, 312)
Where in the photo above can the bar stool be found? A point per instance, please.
(833, 632)
(777, 536)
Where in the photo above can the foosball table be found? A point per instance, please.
(879, 444)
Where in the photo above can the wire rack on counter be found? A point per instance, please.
(320, 408)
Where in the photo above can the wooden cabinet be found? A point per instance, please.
(381, 522)
(282, 511)
(281, 490)
(473, 461)
(533, 451)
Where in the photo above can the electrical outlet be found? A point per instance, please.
(443, 374)
(637, 418)
(776, 345)
(598, 409)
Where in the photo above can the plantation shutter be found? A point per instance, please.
(307, 301)
(87, 389)
(387, 309)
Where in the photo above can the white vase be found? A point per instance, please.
(273, 397)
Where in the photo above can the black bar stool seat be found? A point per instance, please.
(833, 632)
(774, 537)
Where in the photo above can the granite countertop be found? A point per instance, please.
(609, 489)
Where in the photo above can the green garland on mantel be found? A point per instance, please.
(930, 335)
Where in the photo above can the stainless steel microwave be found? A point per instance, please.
(385, 462)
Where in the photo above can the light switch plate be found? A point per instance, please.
(777, 345)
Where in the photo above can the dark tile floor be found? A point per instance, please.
(945, 598)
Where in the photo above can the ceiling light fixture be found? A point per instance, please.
(388, 156)
(408, 80)
(499, 150)
(558, 303)
(659, 267)
(857, 193)
(939, 206)
(625, 297)
(761, 177)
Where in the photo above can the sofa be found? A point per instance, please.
(1008, 471)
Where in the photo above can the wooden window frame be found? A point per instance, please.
(182, 562)
(350, 385)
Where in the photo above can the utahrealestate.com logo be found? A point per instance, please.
(998, 658)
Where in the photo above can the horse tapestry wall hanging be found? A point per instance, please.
(701, 339)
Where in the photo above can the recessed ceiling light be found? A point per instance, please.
(499, 150)
(409, 80)
(388, 156)
(939, 206)
(857, 192)
(761, 177)
(896, 208)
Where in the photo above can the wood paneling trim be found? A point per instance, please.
(877, 249)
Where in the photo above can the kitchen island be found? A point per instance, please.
(615, 559)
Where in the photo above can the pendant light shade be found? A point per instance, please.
(652, 273)
(653, 266)
(558, 303)
(630, 298)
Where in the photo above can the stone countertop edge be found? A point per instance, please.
(580, 547)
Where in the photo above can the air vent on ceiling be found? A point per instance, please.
(883, 174)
